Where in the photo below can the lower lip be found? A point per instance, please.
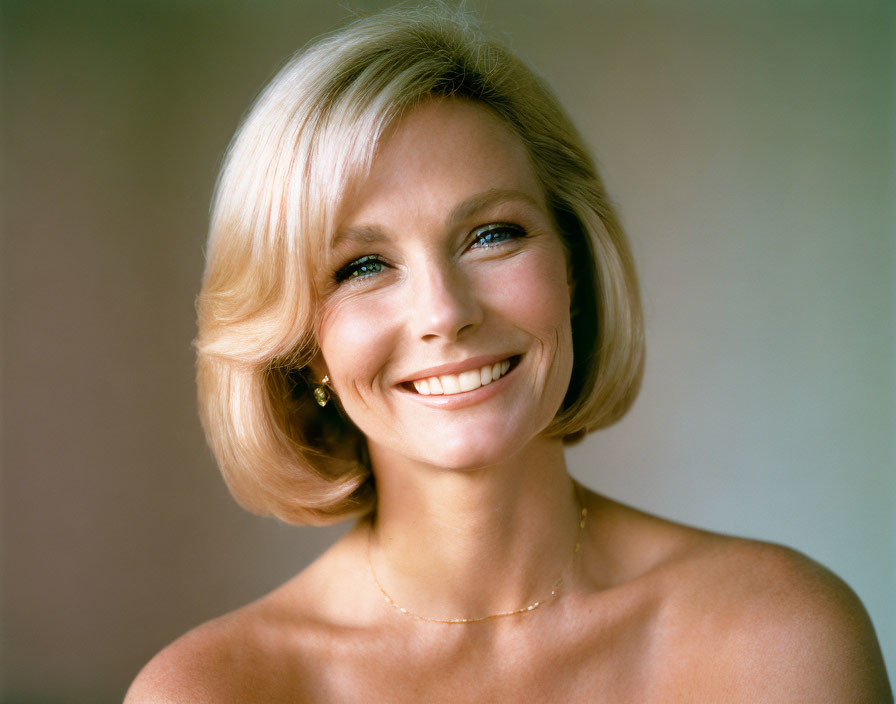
(465, 398)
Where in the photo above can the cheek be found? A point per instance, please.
(534, 296)
(532, 290)
(354, 339)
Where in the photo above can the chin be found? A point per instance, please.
(474, 451)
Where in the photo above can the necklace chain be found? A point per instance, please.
(555, 589)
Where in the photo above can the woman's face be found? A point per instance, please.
(445, 329)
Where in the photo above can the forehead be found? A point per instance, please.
(442, 153)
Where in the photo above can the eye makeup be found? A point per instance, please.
(485, 237)
(496, 233)
(368, 265)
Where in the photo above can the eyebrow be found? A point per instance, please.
(369, 234)
(480, 201)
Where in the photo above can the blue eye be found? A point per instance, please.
(368, 265)
(491, 235)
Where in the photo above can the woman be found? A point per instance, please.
(416, 293)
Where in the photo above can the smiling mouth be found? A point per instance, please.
(450, 384)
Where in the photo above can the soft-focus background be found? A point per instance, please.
(749, 145)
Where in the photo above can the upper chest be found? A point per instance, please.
(558, 657)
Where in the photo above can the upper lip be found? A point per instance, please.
(454, 367)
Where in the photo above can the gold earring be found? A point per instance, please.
(321, 392)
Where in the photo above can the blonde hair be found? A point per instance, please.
(310, 135)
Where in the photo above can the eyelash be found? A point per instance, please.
(356, 269)
(485, 238)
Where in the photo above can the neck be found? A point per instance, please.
(468, 543)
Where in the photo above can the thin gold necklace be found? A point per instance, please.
(515, 612)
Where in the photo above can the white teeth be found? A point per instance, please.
(449, 384)
(470, 380)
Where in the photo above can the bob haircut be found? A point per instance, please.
(313, 133)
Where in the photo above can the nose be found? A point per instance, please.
(443, 304)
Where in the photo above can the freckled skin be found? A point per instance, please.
(475, 511)
(440, 300)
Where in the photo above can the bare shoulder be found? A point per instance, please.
(272, 650)
(192, 667)
(737, 620)
(234, 658)
(772, 624)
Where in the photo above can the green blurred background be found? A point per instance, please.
(750, 147)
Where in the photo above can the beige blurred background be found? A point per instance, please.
(750, 147)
